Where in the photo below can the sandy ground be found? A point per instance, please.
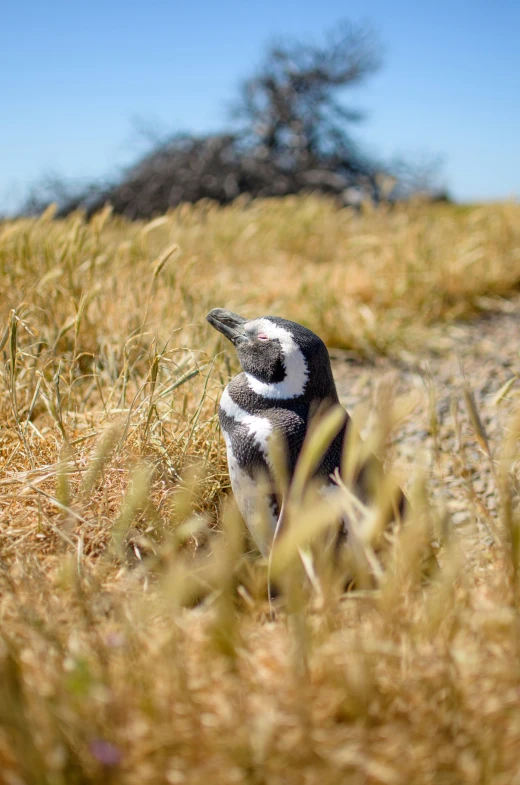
(482, 356)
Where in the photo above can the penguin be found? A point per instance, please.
(286, 379)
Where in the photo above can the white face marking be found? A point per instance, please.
(296, 369)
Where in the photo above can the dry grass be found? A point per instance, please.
(111, 486)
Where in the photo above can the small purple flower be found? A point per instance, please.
(105, 752)
(115, 640)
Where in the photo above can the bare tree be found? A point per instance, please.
(291, 110)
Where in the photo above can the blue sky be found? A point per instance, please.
(75, 77)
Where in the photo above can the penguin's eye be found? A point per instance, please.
(262, 337)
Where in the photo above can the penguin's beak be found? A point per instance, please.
(229, 324)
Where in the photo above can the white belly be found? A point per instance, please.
(253, 501)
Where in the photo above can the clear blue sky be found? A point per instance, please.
(74, 76)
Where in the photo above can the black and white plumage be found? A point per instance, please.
(286, 379)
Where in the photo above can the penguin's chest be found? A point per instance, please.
(246, 438)
(246, 435)
(248, 480)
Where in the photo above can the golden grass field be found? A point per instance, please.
(115, 517)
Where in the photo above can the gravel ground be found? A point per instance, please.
(483, 356)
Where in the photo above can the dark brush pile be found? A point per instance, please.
(188, 169)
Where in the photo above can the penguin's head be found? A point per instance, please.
(281, 359)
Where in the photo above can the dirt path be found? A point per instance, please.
(460, 474)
